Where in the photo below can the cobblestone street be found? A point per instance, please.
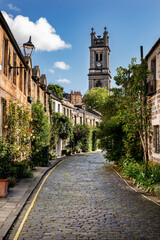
(84, 199)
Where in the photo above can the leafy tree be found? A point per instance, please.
(41, 135)
(134, 112)
(56, 89)
(61, 127)
(96, 98)
(82, 137)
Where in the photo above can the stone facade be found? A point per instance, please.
(99, 71)
(153, 83)
(82, 116)
(75, 98)
(21, 84)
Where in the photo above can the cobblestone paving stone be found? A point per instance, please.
(84, 199)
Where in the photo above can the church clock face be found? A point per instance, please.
(99, 64)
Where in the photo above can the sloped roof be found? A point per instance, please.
(153, 48)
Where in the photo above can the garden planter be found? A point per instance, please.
(3, 187)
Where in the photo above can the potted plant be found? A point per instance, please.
(5, 166)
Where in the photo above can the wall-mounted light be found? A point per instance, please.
(28, 49)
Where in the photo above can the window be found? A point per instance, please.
(64, 111)
(53, 106)
(154, 72)
(20, 78)
(14, 69)
(25, 83)
(45, 99)
(37, 90)
(101, 57)
(75, 120)
(67, 112)
(3, 114)
(156, 128)
(5, 56)
(80, 120)
(58, 107)
(99, 84)
(98, 57)
(12, 72)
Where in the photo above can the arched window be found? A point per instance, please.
(99, 84)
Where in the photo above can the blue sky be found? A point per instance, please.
(130, 24)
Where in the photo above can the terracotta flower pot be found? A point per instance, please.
(3, 187)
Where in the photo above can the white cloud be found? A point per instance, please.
(61, 65)
(51, 70)
(44, 36)
(14, 8)
(63, 80)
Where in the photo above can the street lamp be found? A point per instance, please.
(28, 49)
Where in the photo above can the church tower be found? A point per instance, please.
(99, 71)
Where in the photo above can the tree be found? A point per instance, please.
(56, 89)
(134, 112)
(82, 137)
(61, 126)
(109, 132)
(41, 135)
(96, 98)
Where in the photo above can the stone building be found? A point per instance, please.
(75, 98)
(99, 71)
(153, 83)
(17, 80)
(67, 108)
(83, 116)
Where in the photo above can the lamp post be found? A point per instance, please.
(28, 49)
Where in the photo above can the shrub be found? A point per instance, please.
(61, 126)
(21, 170)
(5, 158)
(147, 177)
(82, 137)
(41, 138)
(94, 140)
(12, 181)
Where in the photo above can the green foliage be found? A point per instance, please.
(18, 130)
(94, 140)
(41, 135)
(133, 109)
(5, 158)
(61, 126)
(21, 170)
(111, 138)
(96, 98)
(12, 181)
(82, 137)
(143, 177)
(56, 89)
